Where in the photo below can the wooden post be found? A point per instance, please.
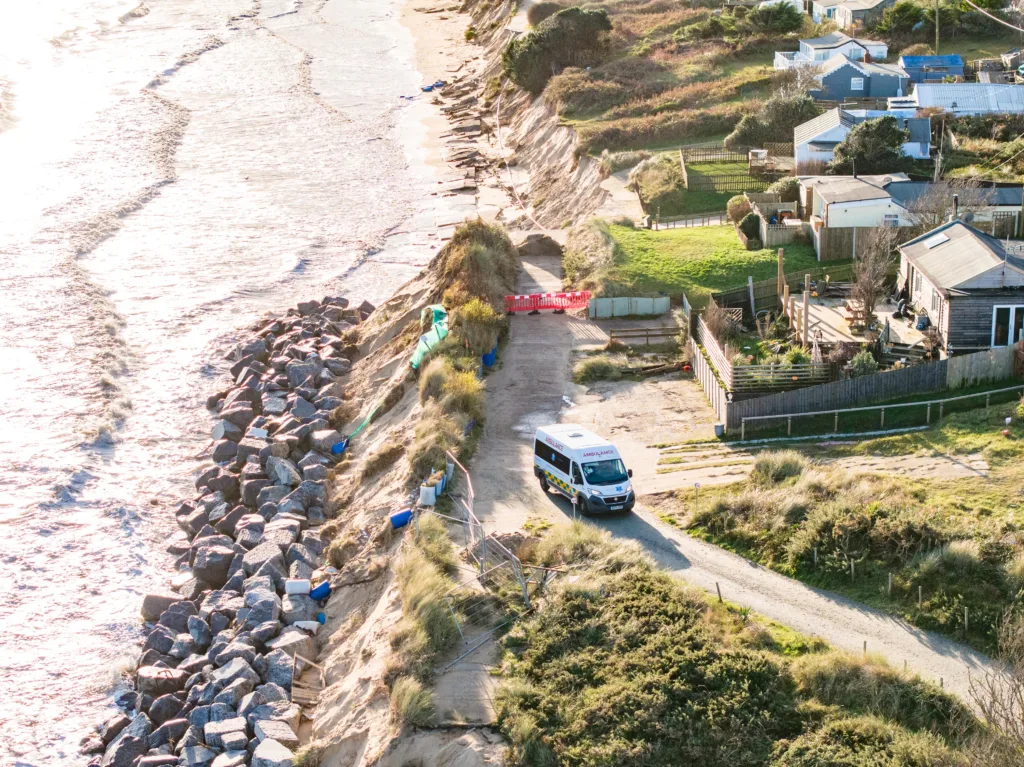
(890, 584)
(785, 299)
(865, 647)
(806, 324)
(928, 415)
(918, 597)
(719, 590)
(883, 418)
(835, 428)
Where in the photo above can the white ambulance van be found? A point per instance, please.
(579, 464)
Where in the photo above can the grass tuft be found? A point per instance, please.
(412, 704)
(775, 467)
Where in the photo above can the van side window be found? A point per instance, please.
(577, 478)
(552, 456)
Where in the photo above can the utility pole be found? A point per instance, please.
(936, 27)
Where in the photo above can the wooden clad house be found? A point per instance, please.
(968, 283)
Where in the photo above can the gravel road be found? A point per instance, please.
(528, 390)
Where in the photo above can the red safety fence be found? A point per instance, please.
(536, 302)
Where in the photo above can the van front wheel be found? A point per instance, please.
(581, 506)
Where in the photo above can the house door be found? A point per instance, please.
(1007, 325)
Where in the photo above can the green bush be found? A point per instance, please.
(412, 704)
(737, 209)
(464, 396)
(778, 116)
(621, 670)
(864, 742)
(572, 37)
(868, 687)
(787, 187)
(863, 363)
(431, 537)
(596, 368)
(776, 19)
(480, 325)
(774, 467)
(797, 356)
(956, 564)
(423, 586)
(750, 225)
(433, 377)
(480, 260)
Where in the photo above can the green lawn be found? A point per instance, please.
(986, 47)
(680, 202)
(697, 261)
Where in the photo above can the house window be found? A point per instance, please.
(891, 219)
(917, 283)
(1007, 324)
(935, 300)
(856, 83)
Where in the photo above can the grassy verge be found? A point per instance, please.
(951, 543)
(623, 665)
(696, 261)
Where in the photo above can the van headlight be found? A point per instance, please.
(594, 491)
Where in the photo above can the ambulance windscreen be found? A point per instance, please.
(610, 472)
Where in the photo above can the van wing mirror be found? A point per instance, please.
(629, 473)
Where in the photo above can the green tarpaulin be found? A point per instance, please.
(437, 333)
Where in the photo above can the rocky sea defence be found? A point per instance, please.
(214, 679)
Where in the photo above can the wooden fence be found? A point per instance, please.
(991, 365)
(745, 379)
(715, 182)
(837, 243)
(705, 376)
(766, 292)
(711, 154)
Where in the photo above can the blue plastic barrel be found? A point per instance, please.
(401, 518)
(321, 618)
(321, 592)
(491, 357)
(427, 88)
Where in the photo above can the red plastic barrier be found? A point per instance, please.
(536, 302)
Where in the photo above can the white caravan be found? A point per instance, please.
(579, 464)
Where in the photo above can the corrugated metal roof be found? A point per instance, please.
(973, 97)
(965, 254)
(825, 122)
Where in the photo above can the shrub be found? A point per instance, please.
(595, 368)
(776, 19)
(1015, 574)
(572, 37)
(750, 225)
(423, 586)
(774, 467)
(480, 324)
(464, 396)
(577, 91)
(737, 208)
(917, 49)
(778, 116)
(864, 742)
(537, 12)
(571, 544)
(863, 363)
(722, 326)
(797, 356)
(433, 378)
(470, 34)
(956, 564)
(431, 537)
(436, 433)
(869, 687)
(411, 703)
(842, 353)
(636, 678)
(787, 187)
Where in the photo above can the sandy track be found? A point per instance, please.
(528, 391)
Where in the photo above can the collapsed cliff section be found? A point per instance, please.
(557, 185)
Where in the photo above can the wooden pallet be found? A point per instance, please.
(306, 694)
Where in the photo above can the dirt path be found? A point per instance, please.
(532, 387)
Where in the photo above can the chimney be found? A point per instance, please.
(956, 208)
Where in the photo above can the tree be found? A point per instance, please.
(871, 270)
(573, 37)
(873, 146)
(737, 208)
(776, 18)
(934, 205)
(900, 19)
(775, 121)
(787, 187)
